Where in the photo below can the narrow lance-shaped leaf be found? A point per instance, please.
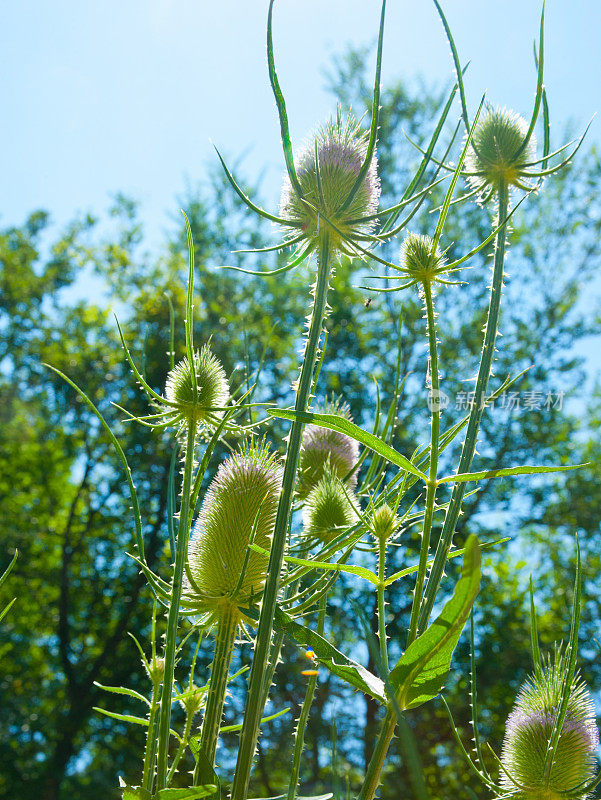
(422, 670)
(465, 477)
(342, 425)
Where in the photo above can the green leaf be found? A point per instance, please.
(421, 671)
(122, 717)
(464, 477)
(234, 728)
(361, 572)
(191, 793)
(123, 690)
(331, 658)
(342, 425)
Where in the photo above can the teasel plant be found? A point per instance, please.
(551, 736)
(246, 564)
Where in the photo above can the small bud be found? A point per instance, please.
(327, 511)
(156, 670)
(529, 729)
(341, 148)
(418, 259)
(193, 700)
(243, 496)
(384, 523)
(323, 448)
(212, 391)
(497, 139)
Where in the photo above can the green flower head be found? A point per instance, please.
(239, 507)
(420, 260)
(497, 152)
(189, 407)
(529, 729)
(327, 168)
(327, 510)
(384, 523)
(323, 448)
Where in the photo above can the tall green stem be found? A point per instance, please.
(372, 776)
(382, 604)
(477, 409)
(150, 752)
(299, 741)
(181, 548)
(431, 484)
(254, 700)
(224, 649)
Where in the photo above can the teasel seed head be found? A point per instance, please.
(418, 260)
(212, 390)
(323, 449)
(327, 168)
(327, 510)
(497, 139)
(529, 728)
(240, 503)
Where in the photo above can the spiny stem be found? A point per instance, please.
(182, 747)
(431, 484)
(374, 769)
(382, 604)
(181, 548)
(224, 649)
(150, 751)
(477, 409)
(254, 701)
(299, 741)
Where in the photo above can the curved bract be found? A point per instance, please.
(239, 509)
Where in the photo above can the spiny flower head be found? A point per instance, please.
(529, 729)
(327, 510)
(494, 153)
(327, 169)
(212, 390)
(323, 448)
(384, 522)
(418, 259)
(240, 503)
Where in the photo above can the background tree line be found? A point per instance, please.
(64, 502)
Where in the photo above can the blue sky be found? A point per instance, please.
(125, 96)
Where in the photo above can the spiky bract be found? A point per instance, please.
(327, 168)
(327, 510)
(384, 523)
(494, 154)
(420, 259)
(529, 729)
(239, 507)
(323, 448)
(212, 391)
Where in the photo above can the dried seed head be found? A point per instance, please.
(529, 729)
(212, 391)
(494, 153)
(384, 523)
(323, 448)
(240, 502)
(418, 259)
(327, 511)
(327, 168)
